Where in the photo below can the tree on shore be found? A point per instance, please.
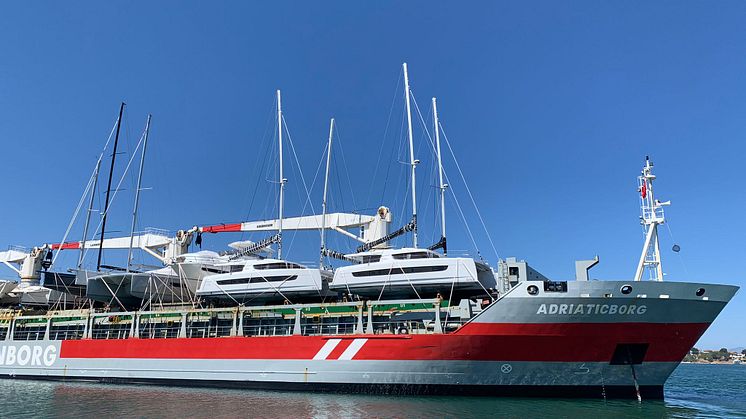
(695, 351)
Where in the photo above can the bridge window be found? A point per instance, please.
(370, 258)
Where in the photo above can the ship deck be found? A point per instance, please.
(420, 316)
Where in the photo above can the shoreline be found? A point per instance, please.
(712, 363)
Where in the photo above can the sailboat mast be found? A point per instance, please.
(108, 188)
(90, 210)
(323, 202)
(443, 186)
(282, 179)
(412, 161)
(137, 192)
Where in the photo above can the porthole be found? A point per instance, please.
(700, 292)
(532, 290)
(626, 289)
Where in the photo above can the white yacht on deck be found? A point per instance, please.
(266, 280)
(413, 273)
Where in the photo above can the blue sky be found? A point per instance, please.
(551, 108)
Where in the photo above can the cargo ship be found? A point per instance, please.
(553, 339)
(581, 338)
(397, 321)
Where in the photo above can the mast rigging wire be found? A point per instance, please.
(87, 189)
(116, 190)
(468, 190)
(344, 163)
(259, 157)
(302, 178)
(463, 179)
(385, 135)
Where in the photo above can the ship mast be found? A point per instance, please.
(282, 179)
(323, 202)
(651, 216)
(442, 186)
(108, 188)
(137, 191)
(412, 162)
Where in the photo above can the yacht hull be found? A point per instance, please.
(452, 278)
(134, 289)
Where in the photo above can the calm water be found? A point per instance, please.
(692, 391)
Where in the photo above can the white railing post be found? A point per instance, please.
(11, 329)
(369, 327)
(85, 326)
(239, 332)
(47, 331)
(296, 327)
(438, 325)
(88, 332)
(235, 322)
(183, 328)
(135, 334)
(359, 327)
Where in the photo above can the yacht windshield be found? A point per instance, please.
(415, 255)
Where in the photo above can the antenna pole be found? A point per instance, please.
(90, 210)
(412, 161)
(137, 192)
(443, 186)
(282, 179)
(108, 188)
(651, 216)
(323, 202)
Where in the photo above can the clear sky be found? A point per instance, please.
(551, 108)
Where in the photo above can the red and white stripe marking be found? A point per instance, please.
(331, 348)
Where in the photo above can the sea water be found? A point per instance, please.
(693, 391)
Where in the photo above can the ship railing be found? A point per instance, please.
(405, 316)
(210, 323)
(414, 316)
(67, 332)
(111, 325)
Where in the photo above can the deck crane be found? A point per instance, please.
(29, 264)
(26, 263)
(156, 243)
(373, 227)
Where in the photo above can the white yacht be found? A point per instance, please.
(265, 280)
(413, 273)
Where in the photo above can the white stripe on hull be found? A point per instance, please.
(327, 349)
(352, 350)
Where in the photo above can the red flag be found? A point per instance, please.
(644, 189)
